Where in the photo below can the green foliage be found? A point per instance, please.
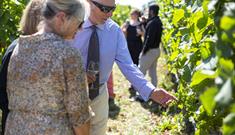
(207, 99)
(229, 124)
(199, 40)
(10, 14)
(177, 16)
(201, 75)
(121, 14)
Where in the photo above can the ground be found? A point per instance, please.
(128, 117)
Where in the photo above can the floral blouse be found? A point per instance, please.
(46, 86)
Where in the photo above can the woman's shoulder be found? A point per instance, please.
(61, 46)
(68, 49)
(52, 43)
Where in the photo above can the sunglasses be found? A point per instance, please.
(104, 8)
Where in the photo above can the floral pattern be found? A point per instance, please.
(46, 86)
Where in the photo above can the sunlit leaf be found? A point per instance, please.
(229, 124)
(205, 5)
(225, 37)
(174, 55)
(198, 37)
(184, 30)
(177, 16)
(225, 94)
(196, 16)
(227, 23)
(233, 108)
(202, 22)
(207, 99)
(205, 52)
(226, 65)
(177, 1)
(201, 75)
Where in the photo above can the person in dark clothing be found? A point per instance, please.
(28, 25)
(152, 39)
(134, 30)
(3, 80)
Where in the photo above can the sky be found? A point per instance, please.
(135, 3)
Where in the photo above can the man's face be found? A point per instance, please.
(101, 10)
(150, 14)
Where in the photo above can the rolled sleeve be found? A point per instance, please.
(146, 91)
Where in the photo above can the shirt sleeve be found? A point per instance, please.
(76, 94)
(130, 70)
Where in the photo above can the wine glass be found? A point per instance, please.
(93, 69)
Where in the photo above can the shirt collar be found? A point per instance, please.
(87, 24)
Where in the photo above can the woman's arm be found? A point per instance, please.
(76, 98)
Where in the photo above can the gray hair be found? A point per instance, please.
(72, 8)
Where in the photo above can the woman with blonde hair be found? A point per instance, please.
(46, 84)
(28, 25)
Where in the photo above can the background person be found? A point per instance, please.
(134, 30)
(46, 83)
(152, 39)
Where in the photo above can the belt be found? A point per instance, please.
(93, 93)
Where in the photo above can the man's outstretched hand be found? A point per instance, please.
(162, 97)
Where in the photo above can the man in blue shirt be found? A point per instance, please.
(112, 48)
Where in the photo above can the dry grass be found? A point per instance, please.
(130, 117)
